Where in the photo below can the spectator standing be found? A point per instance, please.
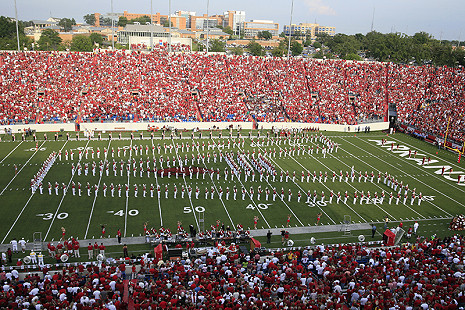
(268, 236)
(9, 254)
(415, 227)
(118, 234)
(90, 250)
(14, 245)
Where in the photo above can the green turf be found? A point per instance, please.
(83, 216)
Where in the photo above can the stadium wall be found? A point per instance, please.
(157, 40)
(38, 127)
(179, 125)
(189, 126)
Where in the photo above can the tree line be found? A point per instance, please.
(418, 49)
(49, 40)
(8, 40)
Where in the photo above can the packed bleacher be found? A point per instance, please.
(457, 223)
(122, 86)
(425, 274)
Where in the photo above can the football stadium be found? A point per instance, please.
(186, 180)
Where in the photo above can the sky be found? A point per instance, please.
(444, 19)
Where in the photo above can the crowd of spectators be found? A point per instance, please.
(218, 99)
(439, 100)
(458, 223)
(135, 86)
(425, 274)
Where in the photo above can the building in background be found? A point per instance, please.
(140, 35)
(201, 22)
(179, 22)
(130, 16)
(308, 29)
(331, 31)
(35, 30)
(187, 15)
(213, 33)
(185, 20)
(157, 17)
(252, 28)
(235, 20)
(185, 25)
(141, 31)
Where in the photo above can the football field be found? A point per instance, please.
(112, 189)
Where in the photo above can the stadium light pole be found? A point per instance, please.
(208, 28)
(290, 31)
(17, 28)
(169, 22)
(151, 25)
(112, 29)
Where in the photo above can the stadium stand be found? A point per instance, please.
(425, 274)
(40, 87)
(132, 86)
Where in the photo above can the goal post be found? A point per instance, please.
(460, 152)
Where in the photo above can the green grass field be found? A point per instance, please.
(24, 213)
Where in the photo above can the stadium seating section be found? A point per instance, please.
(426, 274)
(118, 86)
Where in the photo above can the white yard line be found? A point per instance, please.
(22, 210)
(190, 201)
(255, 205)
(95, 197)
(428, 153)
(62, 198)
(214, 185)
(21, 168)
(11, 152)
(375, 184)
(405, 173)
(305, 193)
(159, 203)
(370, 182)
(426, 165)
(17, 218)
(127, 198)
(325, 184)
(283, 201)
